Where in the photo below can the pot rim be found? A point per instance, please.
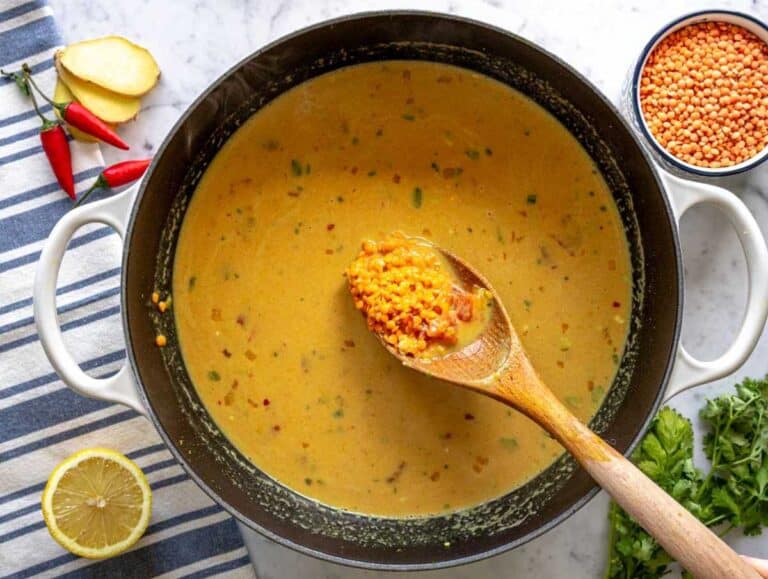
(179, 456)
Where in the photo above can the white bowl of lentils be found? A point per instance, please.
(699, 93)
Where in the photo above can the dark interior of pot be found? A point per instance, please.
(274, 509)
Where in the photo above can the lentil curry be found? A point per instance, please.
(279, 354)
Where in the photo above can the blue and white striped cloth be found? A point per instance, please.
(41, 420)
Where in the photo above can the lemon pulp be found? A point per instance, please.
(97, 503)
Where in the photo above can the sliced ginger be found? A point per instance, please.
(113, 63)
(62, 94)
(109, 106)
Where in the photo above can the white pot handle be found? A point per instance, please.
(121, 387)
(689, 371)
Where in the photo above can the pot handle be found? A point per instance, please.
(689, 371)
(121, 387)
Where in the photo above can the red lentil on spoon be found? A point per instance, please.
(704, 94)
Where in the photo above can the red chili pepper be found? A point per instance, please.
(78, 116)
(81, 118)
(118, 175)
(56, 147)
(125, 172)
(52, 135)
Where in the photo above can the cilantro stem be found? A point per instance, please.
(725, 531)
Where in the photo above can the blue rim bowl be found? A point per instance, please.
(754, 25)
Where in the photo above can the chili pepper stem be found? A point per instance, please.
(100, 183)
(25, 81)
(47, 123)
(28, 76)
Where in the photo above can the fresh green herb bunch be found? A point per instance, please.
(736, 488)
(732, 495)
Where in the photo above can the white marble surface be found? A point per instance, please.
(195, 42)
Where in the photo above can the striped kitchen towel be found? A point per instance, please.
(41, 420)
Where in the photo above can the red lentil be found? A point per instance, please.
(406, 294)
(704, 94)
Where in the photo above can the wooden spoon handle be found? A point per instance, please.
(683, 536)
(680, 533)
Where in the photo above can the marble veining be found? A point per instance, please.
(195, 42)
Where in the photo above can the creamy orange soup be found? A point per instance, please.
(270, 335)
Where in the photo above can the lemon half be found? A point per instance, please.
(97, 503)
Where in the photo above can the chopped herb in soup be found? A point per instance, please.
(278, 352)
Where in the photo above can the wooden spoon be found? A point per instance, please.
(496, 365)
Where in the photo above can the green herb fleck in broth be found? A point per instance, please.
(417, 197)
(214, 376)
(338, 413)
(531, 199)
(527, 303)
(509, 442)
(296, 168)
(573, 401)
(435, 167)
(473, 154)
(597, 393)
(499, 235)
(408, 117)
(191, 283)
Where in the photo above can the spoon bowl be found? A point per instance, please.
(478, 362)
